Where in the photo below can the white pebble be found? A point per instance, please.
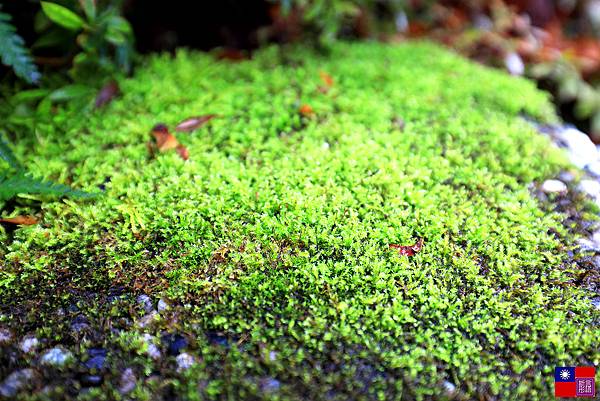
(128, 381)
(594, 168)
(514, 64)
(29, 344)
(151, 349)
(162, 305)
(185, 361)
(582, 150)
(5, 336)
(591, 187)
(554, 186)
(56, 357)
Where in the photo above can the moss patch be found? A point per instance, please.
(271, 243)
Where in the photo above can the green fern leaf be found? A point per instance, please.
(14, 53)
(7, 155)
(16, 182)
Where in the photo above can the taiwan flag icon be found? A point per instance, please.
(572, 381)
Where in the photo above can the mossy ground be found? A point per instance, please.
(271, 241)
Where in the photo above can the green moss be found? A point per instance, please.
(271, 241)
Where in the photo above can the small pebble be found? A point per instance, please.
(5, 336)
(596, 303)
(97, 358)
(56, 357)
(128, 381)
(269, 385)
(175, 343)
(91, 380)
(162, 305)
(145, 302)
(29, 344)
(554, 186)
(15, 382)
(514, 64)
(151, 349)
(566, 176)
(185, 361)
(449, 388)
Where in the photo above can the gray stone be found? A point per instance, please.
(554, 186)
(148, 319)
(29, 344)
(16, 382)
(184, 361)
(145, 302)
(566, 176)
(56, 357)
(128, 381)
(596, 303)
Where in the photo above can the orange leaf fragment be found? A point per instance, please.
(326, 78)
(408, 250)
(20, 220)
(164, 139)
(192, 123)
(306, 110)
(183, 152)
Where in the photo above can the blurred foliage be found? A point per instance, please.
(91, 36)
(94, 31)
(321, 22)
(14, 53)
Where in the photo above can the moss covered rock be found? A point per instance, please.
(270, 246)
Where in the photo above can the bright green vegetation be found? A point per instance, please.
(273, 237)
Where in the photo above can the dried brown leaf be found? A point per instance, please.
(306, 110)
(106, 95)
(164, 139)
(192, 123)
(20, 220)
(408, 250)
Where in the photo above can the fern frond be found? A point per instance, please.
(7, 155)
(14, 182)
(14, 53)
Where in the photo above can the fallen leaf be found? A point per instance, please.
(408, 250)
(192, 123)
(20, 220)
(306, 110)
(107, 94)
(183, 152)
(231, 55)
(164, 139)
